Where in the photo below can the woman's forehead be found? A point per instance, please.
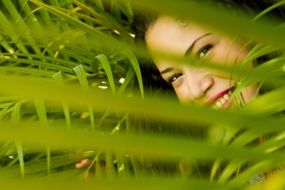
(168, 34)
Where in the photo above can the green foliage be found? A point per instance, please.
(71, 89)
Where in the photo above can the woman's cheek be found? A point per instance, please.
(182, 95)
(178, 82)
(182, 91)
(229, 61)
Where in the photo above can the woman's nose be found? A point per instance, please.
(199, 85)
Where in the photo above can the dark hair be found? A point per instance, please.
(141, 23)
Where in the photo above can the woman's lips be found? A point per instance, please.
(221, 99)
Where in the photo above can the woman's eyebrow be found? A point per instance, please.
(168, 69)
(188, 51)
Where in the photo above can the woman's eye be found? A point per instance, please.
(174, 77)
(204, 50)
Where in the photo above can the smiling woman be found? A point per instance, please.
(186, 38)
(195, 83)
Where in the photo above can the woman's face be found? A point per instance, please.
(191, 83)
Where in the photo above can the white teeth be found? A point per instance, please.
(222, 100)
(219, 104)
(226, 97)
